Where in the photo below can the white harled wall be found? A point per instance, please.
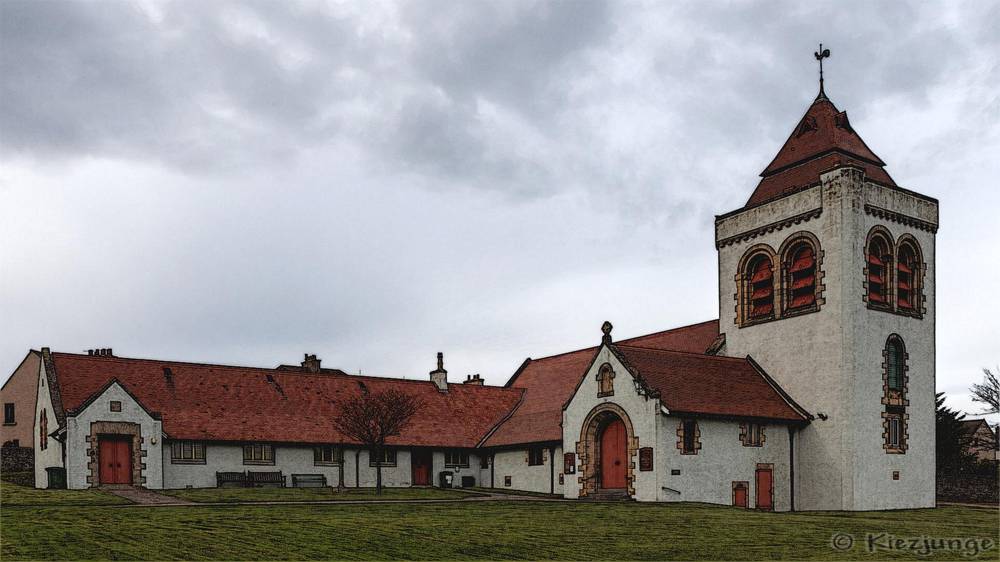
(830, 361)
(99, 410)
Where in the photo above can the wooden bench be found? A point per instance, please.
(265, 479)
(308, 480)
(230, 479)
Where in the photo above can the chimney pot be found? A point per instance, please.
(90, 352)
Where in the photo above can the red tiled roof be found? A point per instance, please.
(549, 382)
(709, 384)
(224, 403)
(823, 139)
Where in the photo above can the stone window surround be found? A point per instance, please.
(605, 381)
(745, 434)
(134, 430)
(895, 405)
(696, 440)
(919, 298)
(779, 281)
(587, 448)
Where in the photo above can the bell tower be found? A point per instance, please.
(826, 278)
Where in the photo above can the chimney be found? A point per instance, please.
(311, 363)
(101, 352)
(439, 376)
(473, 379)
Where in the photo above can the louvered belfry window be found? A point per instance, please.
(761, 288)
(906, 267)
(879, 262)
(801, 277)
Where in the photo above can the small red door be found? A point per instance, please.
(420, 465)
(613, 455)
(115, 454)
(765, 489)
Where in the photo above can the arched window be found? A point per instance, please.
(894, 396)
(907, 275)
(894, 363)
(760, 287)
(800, 283)
(879, 265)
(605, 381)
(43, 431)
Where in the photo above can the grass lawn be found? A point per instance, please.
(16, 495)
(468, 530)
(235, 495)
(512, 492)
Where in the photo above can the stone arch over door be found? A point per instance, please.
(587, 448)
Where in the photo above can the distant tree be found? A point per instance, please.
(952, 439)
(373, 417)
(987, 393)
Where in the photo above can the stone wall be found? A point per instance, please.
(17, 459)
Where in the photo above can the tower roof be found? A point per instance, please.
(823, 139)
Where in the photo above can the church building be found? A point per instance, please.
(813, 390)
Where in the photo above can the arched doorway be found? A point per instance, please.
(613, 448)
(606, 451)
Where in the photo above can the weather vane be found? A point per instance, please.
(820, 55)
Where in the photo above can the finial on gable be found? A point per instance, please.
(606, 329)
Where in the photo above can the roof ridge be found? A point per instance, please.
(678, 352)
(661, 332)
(264, 370)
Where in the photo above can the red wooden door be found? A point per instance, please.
(765, 489)
(613, 455)
(115, 460)
(740, 494)
(421, 468)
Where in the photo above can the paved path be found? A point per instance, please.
(142, 496)
(148, 498)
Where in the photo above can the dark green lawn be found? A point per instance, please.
(236, 495)
(13, 494)
(465, 530)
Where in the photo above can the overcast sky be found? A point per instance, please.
(376, 182)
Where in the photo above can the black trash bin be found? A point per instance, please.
(446, 478)
(57, 477)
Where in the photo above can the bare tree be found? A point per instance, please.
(987, 393)
(373, 417)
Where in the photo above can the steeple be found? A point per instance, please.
(822, 140)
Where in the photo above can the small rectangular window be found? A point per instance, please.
(187, 452)
(116, 406)
(753, 435)
(327, 455)
(484, 461)
(388, 458)
(8, 414)
(456, 458)
(689, 438)
(258, 453)
(536, 456)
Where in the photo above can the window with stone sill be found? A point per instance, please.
(879, 266)
(258, 454)
(327, 455)
(8, 414)
(752, 434)
(605, 381)
(456, 458)
(688, 437)
(187, 452)
(388, 458)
